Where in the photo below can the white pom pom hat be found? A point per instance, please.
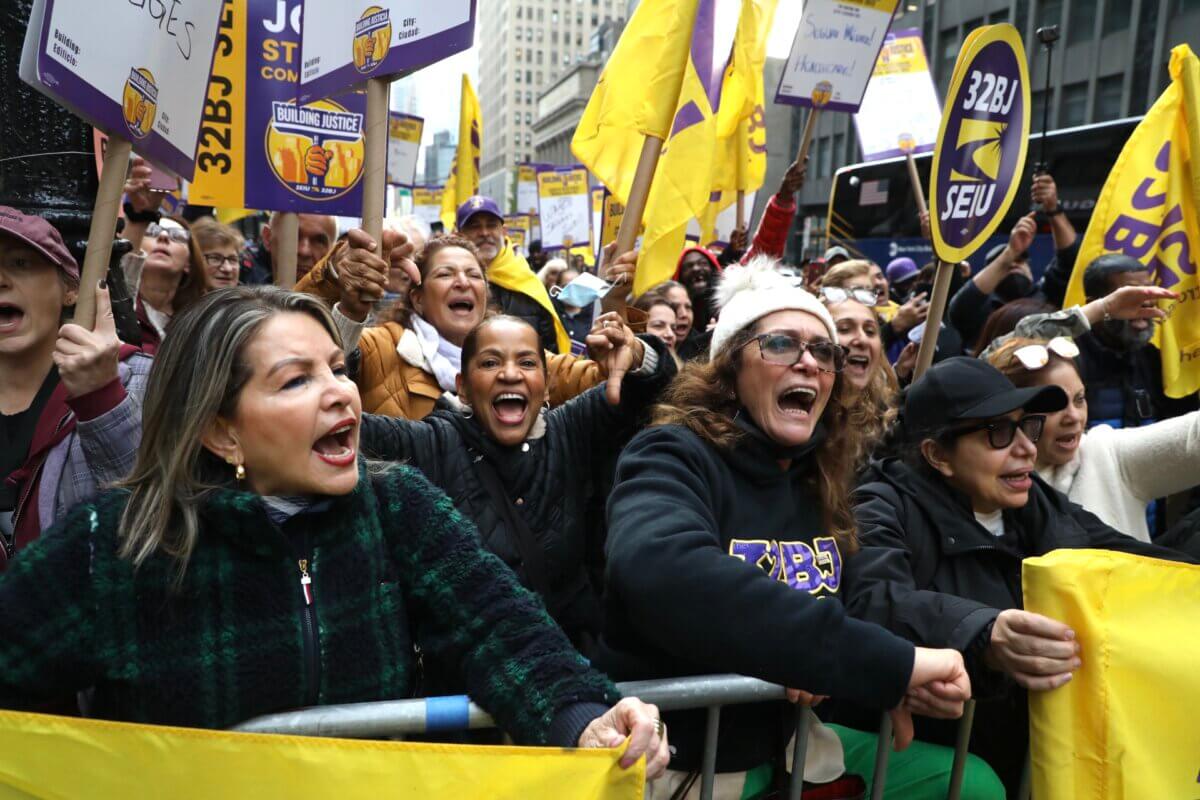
(747, 294)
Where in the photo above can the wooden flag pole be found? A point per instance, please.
(810, 126)
(375, 159)
(741, 210)
(933, 322)
(103, 228)
(631, 220)
(285, 241)
(915, 177)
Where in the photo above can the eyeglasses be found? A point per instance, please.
(1001, 432)
(1035, 356)
(784, 350)
(175, 233)
(217, 260)
(837, 294)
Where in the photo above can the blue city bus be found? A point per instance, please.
(872, 209)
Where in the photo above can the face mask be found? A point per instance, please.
(581, 292)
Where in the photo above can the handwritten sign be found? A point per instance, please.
(137, 69)
(565, 204)
(404, 143)
(527, 188)
(258, 149)
(347, 41)
(427, 203)
(980, 152)
(900, 112)
(833, 53)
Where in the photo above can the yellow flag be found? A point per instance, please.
(1148, 210)
(637, 93)
(464, 175)
(1125, 724)
(60, 757)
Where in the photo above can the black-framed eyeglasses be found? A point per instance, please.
(215, 260)
(838, 294)
(785, 350)
(1001, 432)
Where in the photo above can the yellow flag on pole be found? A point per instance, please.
(464, 174)
(1148, 210)
(59, 757)
(1125, 724)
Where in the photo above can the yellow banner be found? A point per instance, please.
(60, 757)
(407, 129)
(614, 210)
(220, 176)
(1125, 725)
(1147, 210)
(562, 184)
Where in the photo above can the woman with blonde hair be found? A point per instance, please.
(728, 526)
(221, 247)
(253, 563)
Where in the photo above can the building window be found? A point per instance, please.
(996, 17)
(1074, 105)
(528, 118)
(529, 76)
(528, 139)
(1108, 98)
(1116, 17)
(528, 96)
(1037, 102)
(1082, 25)
(1049, 13)
(517, 76)
(516, 117)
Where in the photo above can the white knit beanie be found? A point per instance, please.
(748, 293)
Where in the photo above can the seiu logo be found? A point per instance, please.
(807, 568)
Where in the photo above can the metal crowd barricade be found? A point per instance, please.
(394, 718)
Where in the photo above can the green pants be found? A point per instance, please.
(922, 772)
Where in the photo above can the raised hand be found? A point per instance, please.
(87, 360)
(613, 345)
(362, 275)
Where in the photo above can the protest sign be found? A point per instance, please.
(427, 203)
(516, 226)
(527, 189)
(79, 53)
(258, 149)
(614, 210)
(404, 143)
(900, 111)
(833, 53)
(981, 144)
(346, 42)
(161, 180)
(565, 204)
(598, 193)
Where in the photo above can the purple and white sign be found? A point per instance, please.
(981, 146)
(900, 112)
(834, 52)
(345, 42)
(137, 69)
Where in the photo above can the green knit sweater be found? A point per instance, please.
(392, 564)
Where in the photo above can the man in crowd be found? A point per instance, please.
(514, 286)
(317, 235)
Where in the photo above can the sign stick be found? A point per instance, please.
(103, 228)
(810, 126)
(933, 322)
(375, 159)
(915, 178)
(285, 240)
(741, 210)
(631, 222)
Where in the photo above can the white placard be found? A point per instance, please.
(427, 203)
(900, 112)
(136, 69)
(344, 42)
(566, 208)
(527, 189)
(404, 145)
(834, 52)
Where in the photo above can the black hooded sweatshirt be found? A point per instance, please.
(720, 561)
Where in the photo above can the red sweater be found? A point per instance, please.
(771, 237)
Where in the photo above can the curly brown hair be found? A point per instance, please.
(402, 310)
(703, 399)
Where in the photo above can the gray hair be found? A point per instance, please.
(198, 374)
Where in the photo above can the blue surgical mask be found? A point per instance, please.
(581, 292)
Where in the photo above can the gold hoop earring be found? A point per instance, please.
(240, 473)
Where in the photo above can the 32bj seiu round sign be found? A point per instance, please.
(980, 151)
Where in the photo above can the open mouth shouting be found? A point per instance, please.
(510, 408)
(338, 447)
(1018, 481)
(11, 316)
(798, 401)
(462, 306)
(857, 364)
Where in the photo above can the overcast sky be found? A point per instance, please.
(437, 86)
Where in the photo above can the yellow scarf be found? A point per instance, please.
(511, 271)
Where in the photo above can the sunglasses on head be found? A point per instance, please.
(837, 294)
(1001, 432)
(785, 350)
(1035, 356)
(174, 231)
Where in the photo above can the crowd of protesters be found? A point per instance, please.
(430, 467)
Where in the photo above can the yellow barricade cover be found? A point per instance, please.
(60, 757)
(1127, 725)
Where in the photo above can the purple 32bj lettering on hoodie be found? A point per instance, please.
(813, 569)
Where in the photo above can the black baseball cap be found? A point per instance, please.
(963, 388)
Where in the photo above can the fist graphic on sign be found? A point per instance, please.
(316, 161)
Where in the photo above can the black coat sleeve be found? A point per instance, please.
(1058, 273)
(385, 438)
(881, 586)
(678, 588)
(969, 309)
